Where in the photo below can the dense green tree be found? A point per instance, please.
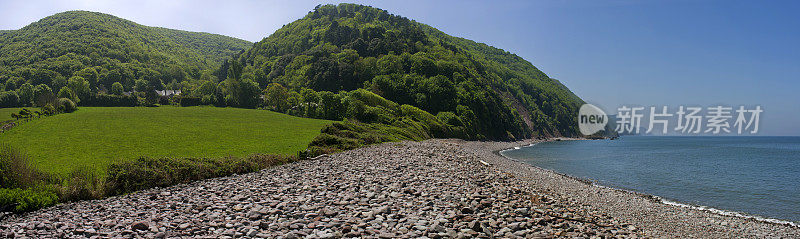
(25, 93)
(207, 88)
(67, 93)
(116, 89)
(333, 108)
(276, 96)
(13, 83)
(240, 93)
(42, 94)
(141, 85)
(150, 97)
(173, 85)
(235, 70)
(157, 84)
(250, 94)
(9, 99)
(80, 87)
(309, 96)
(89, 74)
(206, 76)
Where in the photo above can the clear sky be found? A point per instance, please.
(610, 53)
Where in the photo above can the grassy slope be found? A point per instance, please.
(96, 136)
(5, 113)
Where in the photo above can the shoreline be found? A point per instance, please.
(439, 188)
(655, 198)
(684, 219)
(432, 189)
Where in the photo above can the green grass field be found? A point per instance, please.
(5, 113)
(94, 137)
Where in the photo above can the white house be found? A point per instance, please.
(168, 92)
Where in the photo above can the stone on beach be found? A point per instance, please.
(433, 189)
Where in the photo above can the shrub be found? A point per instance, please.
(49, 109)
(104, 100)
(144, 173)
(27, 199)
(189, 101)
(164, 100)
(337, 142)
(16, 170)
(351, 134)
(66, 105)
(82, 184)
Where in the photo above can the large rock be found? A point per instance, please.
(141, 226)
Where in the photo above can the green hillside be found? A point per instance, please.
(102, 49)
(94, 137)
(490, 93)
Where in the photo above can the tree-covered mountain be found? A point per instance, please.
(91, 51)
(486, 92)
(384, 76)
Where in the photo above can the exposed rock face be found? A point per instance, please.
(435, 189)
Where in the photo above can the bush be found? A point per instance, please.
(104, 100)
(27, 199)
(164, 100)
(144, 173)
(16, 170)
(336, 142)
(82, 184)
(351, 134)
(189, 101)
(66, 105)
(49, 109)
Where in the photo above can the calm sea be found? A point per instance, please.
(759, 176)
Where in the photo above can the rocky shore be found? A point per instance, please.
(433, 189)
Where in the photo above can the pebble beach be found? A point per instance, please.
(432, 189)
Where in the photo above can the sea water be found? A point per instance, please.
(758, 176)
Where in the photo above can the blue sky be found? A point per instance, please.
(610, 53)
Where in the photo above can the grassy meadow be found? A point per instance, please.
(5, 113)
(94, 137)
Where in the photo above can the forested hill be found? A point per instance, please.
(103, 49)
(492, 93)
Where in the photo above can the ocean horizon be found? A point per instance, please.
(752, 176)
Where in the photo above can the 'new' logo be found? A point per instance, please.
(591, 119)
